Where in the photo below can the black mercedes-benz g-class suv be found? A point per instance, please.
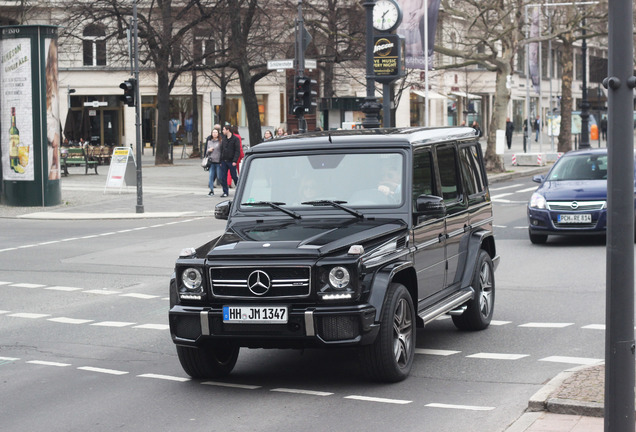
(343, 238)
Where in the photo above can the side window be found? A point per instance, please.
(423, 174)
(472, 169)
(447, 164)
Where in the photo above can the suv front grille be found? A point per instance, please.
(576, 205)
(260, 282)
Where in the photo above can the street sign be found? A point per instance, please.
(122, 168)
(215, 97)
(289, 64)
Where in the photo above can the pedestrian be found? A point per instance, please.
(475, 126)
(213, 152)
(525, 134)
(241, 154)
(230, 152)
(537, 128)
(510, 127)
(280, 132)
(268, 135)
(604, 127)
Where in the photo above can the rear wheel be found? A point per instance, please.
(390, 357)
(213, 360)
(479, 310)
(537, 238)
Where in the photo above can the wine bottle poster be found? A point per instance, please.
(16, 124)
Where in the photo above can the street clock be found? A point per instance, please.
(387, 15)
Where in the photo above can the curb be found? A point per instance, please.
(541, 400)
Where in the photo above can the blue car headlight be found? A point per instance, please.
(537, 201)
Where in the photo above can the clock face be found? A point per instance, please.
(386, 15)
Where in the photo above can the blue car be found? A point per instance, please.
(572, 198)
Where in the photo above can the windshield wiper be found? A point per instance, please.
(337, 204)
(275, 205)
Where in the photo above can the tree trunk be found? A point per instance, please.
(494, 163)
(565, 134)
(251, 105)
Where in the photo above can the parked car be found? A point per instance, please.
(572, 198)
(343, 238)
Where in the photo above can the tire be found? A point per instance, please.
(479, 310)
(390, 357)
(537, 238)
(214, 360)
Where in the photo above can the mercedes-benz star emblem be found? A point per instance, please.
(258, 282)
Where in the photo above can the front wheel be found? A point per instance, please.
(479, 310)
(537, 238)
(213, 360)
(390, 357)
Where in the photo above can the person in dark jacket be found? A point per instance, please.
(509, 129)
(230, 152)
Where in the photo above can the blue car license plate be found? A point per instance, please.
(575, 218)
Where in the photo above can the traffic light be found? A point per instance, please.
(130, 89)
(299, 90)
(309, 95)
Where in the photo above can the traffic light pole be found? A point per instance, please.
(140, 195)
(300, 66)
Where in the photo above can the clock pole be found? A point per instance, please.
(371, 108)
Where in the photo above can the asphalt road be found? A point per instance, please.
(84, 343)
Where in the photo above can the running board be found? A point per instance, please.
(446, 305)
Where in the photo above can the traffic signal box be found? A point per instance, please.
(304, 95)
(130, 87)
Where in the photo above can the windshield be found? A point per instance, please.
(580, 167)
(356, 179)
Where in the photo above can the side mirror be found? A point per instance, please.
(538, 178)
(222, 210)
(430, 205)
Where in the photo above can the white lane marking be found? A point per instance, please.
(239, 386)
(48, 242)
(153, 326)
(594, 327)
(65, 320)
(533, 188)
(27, 285)
(300, 391)
(139, 296)
(497, 356)
(8, 359)
(164, 377)
(28, 315)
(436, 352)
(573, 360)
(546, 325)
(63, 288)
(4, 283)
(106, 234)
(376, 399)
(499, 323)
(48, 363)
(69, 239)
(8, 249)
(460, 407)
(507, 187)
(90, 236)
(4, 312)
(104, 371)
(520, 227)
(497, 197)
(101, 292)
(113, 324)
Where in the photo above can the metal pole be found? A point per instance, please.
(550, 62)
(300, 60)
(140, 195)
(526, 134)
(386, 105)
(426, 102)
(619, 315)
(585, 106)
(370, 107)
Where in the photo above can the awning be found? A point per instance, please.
(465, 95)
(431, 94)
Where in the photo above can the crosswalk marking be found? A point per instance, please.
(377, 399)
(594, 327)
(113, 324)
(546, 325)
(27, 285)
(497, 356)
(223, 384)
(460, 407)
(48, 363)
(300, 391)
(65, 320)
(164, 377)
(436, 352)
(104, 371)
(153, 326)
(573, 360)
(28, 315)
(63, 288)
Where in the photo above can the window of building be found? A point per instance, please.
(94, 45)
(203, 48)
(235, 110)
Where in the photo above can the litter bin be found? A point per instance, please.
(30, 128)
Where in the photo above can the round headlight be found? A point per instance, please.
(192, 278)
(339, 277)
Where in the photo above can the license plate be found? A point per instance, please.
(255, 314)
(575, 218)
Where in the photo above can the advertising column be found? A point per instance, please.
(30, 129)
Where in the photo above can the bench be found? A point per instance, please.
(76, 156)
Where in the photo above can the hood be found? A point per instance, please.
(574, 190)
(300, 238)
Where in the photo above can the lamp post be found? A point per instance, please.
(371, 108)
(585, 106)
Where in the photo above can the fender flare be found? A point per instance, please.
(381, 281)
(478, 240)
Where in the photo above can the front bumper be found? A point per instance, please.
(541, 221)
(306, 327)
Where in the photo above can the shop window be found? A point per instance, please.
(235, 110)
(94, 45)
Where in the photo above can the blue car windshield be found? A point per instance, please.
(352, 179)
(580, 167)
